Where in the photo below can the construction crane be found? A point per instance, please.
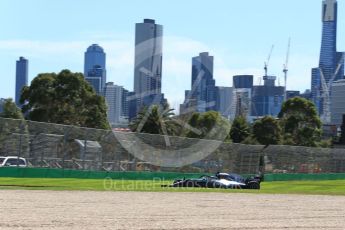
(326, 89)
(326, 116)
(285, 68)
(268, 60)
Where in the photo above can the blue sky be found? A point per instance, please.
(54, 35)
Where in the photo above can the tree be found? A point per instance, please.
(300, 122)
(10, 110)
(14, 134)
(209, 125)
(64, 98)
(239, 130)
(267, 131)
(155, 119)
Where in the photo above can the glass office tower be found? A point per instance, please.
(22, 70)
(203, 85)
(148, 63)
(94, 67)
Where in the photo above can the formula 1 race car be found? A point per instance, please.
(220, 180)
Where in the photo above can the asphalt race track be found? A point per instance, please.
(24, 209)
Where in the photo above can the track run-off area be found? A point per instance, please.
(42, 209)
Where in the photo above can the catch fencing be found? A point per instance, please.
(47, 145)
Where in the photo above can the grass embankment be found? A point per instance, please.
(334, 187)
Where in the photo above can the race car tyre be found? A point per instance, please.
(253, 185)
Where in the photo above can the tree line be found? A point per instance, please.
(66, 98)
(297, 124)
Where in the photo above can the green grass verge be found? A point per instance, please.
(334, 187)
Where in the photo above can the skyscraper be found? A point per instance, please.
(224, 100)
(114, 99)
(125, 104)
(337, 102)
(22, 69)
(95, 67)
(267, 99)
(292, 94)
(148, 62)
(331, 63)
(203, 93)
(2, 102)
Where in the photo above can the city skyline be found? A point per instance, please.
(180, 47)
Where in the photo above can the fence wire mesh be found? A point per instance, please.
(60, 146)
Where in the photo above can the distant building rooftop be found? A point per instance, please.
(95, 47)
(151, 21)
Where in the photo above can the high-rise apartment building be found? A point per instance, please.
(331, 63)
(95, 67)
(125, 104)
(242, 96)
(337, 102)
(22, 71)
(224, 100)
(148, 63)
(114, 99)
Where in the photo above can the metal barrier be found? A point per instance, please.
(124, 175)
(47, 145)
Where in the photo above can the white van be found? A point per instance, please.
(12, 161)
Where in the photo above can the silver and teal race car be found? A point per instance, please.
(220, 180)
